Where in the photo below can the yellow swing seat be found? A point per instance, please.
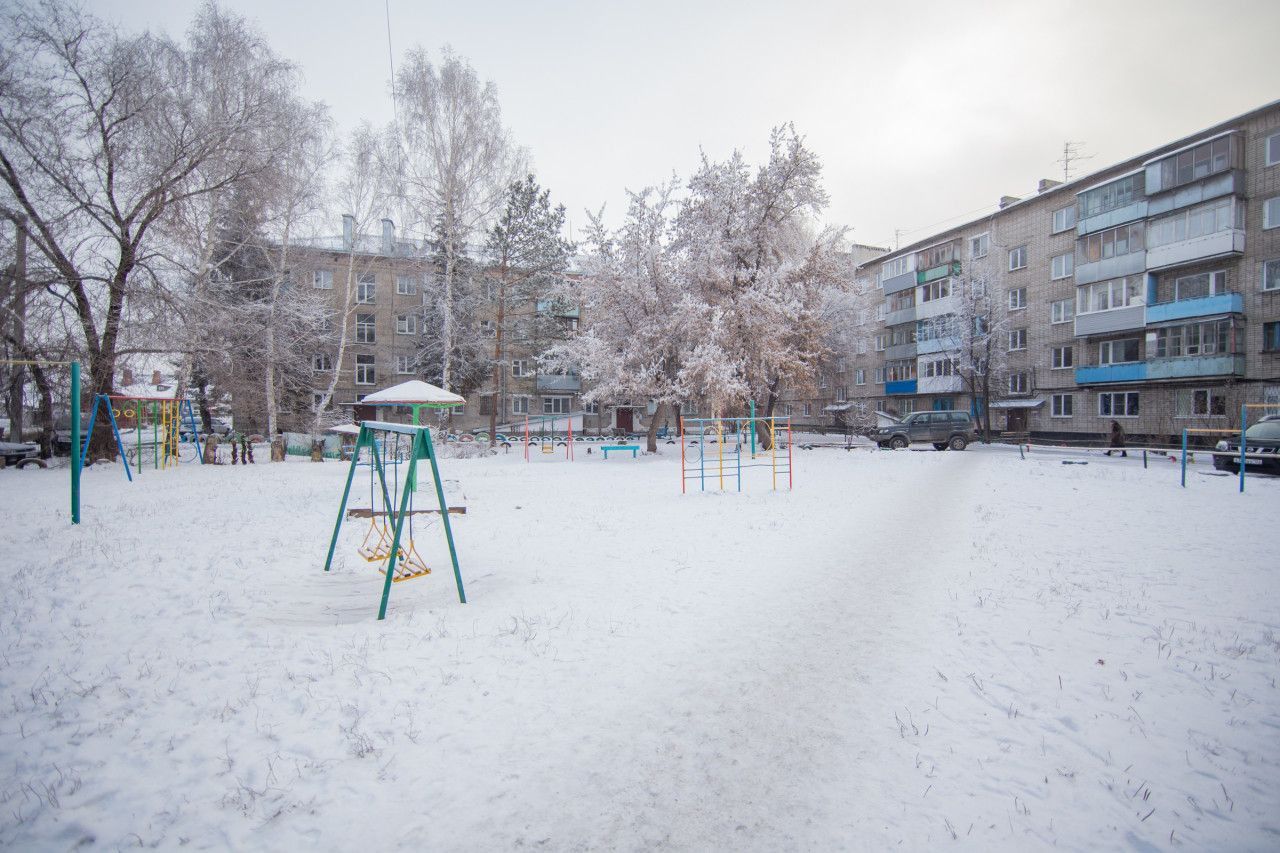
(376, 546)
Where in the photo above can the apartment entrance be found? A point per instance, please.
(622, 417)
(1016, 420)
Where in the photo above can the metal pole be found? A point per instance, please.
(702, 455)
(683, 471)
(1244, 424)
(1184, 458)
(444, 517)
(155, 437)
(75, 442)
(342, 507)
(753, 429)
(137, 430)
(790, 459)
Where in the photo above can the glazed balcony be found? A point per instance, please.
(1115, 320)
(1216, 245)
(1105, 374)
(559, 382)
(1195, 366)
(1204, 306)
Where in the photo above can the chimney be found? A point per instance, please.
(1047, 184)
(1006, 200)
(126, 376)
(155, 377)
(348, 231)
(388, 237)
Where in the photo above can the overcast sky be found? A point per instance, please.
(924, 114)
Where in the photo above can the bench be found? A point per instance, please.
(632, 447)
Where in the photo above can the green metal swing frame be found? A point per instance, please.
(422, 449)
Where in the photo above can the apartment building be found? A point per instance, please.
(390, 317)
(1147, 293)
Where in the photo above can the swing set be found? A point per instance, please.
(389, 540)
(166, 415)
(547, 439)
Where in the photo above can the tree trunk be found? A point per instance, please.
(658, 412)
(498, 374)
(18, 313)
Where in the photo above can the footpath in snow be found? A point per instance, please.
(910, 650)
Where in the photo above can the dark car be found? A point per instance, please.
(945, 429)
(1263, 438)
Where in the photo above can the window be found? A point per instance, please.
(1108, 295)
(904, 334)
(555, 405)
(591, 408)
(1062, 266)
(842, 394)
(404, 364)
(488, 329)
(1112, 243)
(1192, 164)
(979, 246)
(839, 365)
(1018, 383)
(806, 410)
(321, 362)
(406, 285)
(880, 311)
(1271, 337)
(907, 406)
(1199, 221)
(897, 266)
(865, 315)
(486, 404)
(1273, 149)
(1064, 218)
(937, 367)
(520, 367)
(520, 404)
(1116, 194)
(1062, 311)
(860, 375)
(1017, 298)
(317, 398)
(1271, 274)
(1200, 403)
(1199, 285)
(939, 289)
(900, 371)
(1271, 212)
(1122, 351)
(1017, 339)
(1063, 357)
(862, 346)
(1118, 404)
(366, 374)
(903, 299)
(882, 341)
(365, 289)
(822, 380)
(1193, 339)
(406, 324)
(1061, 405)
(322, 279)
(936, 256)
(879, 375)
(364, 329)
(1017, 258)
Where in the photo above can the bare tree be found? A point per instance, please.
(977, 334)
(102, 135)
(453, 165)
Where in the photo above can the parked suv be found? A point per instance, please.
(1262, 438)
(941, 429)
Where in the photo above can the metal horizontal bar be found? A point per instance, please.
(384, 426)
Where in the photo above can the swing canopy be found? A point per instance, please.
(415, 392)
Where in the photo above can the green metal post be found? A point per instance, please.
(753, 428)
(76, 438)
(155, 437)
(430, 450)
(395, 539)
(413, 479)
(342, 507)
(1244, 425)
(137, 429)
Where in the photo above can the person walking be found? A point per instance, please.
(1116, 441)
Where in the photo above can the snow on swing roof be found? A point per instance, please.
(415, 392)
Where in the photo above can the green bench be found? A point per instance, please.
(632, 447)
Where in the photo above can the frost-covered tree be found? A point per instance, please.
(528, 257)
(977, 334)
(453, 163)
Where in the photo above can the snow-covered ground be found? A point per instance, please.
(911, 650)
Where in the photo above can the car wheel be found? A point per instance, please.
(958, 442)
(939, 445)
(897, 442)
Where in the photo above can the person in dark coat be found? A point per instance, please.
(1116, 441)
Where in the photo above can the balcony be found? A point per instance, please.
(899, 282)
(906, 386)
(556, 309)
(1103, 374)
(1111, 218)
(1190, 367)
(941, 385)
(1218, 244)
(1117, 267)
(937, 345)
(902, 315)
(1115, 320)
(1227, 183)
(898, 351)
(935, 308)
(934, 273)
(559, 382)
(1204, 306)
